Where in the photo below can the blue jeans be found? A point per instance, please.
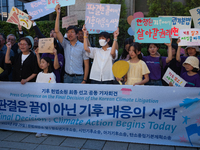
(154, 82)
(101, 82)
(74, 79)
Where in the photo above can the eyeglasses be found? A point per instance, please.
(11, 39)
(22, 44)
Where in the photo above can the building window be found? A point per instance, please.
(19, 5)
(4, 9)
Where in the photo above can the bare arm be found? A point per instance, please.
(145, 80)
(169, 45)
(57, 24)
(23, 81)
(86, 70)
(38, 56)
(115, 44)
(178, 53)
(7, 57)
(56, 64)
(85, 39)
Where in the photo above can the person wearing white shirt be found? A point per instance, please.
(101, 72)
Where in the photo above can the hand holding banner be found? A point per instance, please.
(46, 45)
(176, 80)
(17, 16)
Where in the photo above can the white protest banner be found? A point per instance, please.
(46, 45)
(195, 13)
(17, 16)
(179, 22)
(53, 3)
(102, 16)
(171, 76)
(190, 37)
(38, 9)
(106, 112)
(69, 20)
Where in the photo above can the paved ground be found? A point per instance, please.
(12, 140)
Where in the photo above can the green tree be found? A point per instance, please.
(190, 4)
(123, 13)
(165, 7)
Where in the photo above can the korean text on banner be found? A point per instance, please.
(179, 22)
(46, 45)
(38, 9)
(153, 30)
(176, 80)
(190, 37)
(163, 115)
(53, 3)
(17, 16)
(102, 16)
(195, 13)
(69, 20)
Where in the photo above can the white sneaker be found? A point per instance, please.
(38, 134)
(43, 134)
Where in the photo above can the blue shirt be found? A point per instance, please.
(4, 50)
(74, 57)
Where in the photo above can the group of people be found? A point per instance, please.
(70, 60)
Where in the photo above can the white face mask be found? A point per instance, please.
(102, 42)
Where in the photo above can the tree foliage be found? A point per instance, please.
(123, 13)
(171, 8)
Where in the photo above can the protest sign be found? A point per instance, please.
(102, 16)
(107, 112)
(195, 13)
(53, 3)
(153, 30)
(17, 16)
(69, 20)
(171, 76)
(190, 37)
(179, 22)
(46, 45)
(38, 9)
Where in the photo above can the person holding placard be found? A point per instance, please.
(191, 75)
(57, 59)
(74, 53)
(189, 51)
(101, 71)
(25, 67)
(156, 63)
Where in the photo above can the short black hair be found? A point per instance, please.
(50, 67)
(175, 46)
(72, 27)
(79, 29)
(28, 41)
(104, 34)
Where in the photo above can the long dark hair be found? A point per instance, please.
(50, 67)
(127, 41)
(137, 48)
